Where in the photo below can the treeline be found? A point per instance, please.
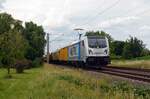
(131, 48)
(20, 46)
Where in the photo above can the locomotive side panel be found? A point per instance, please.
(74, 52)
(83, 51)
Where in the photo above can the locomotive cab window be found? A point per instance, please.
(97, 42)
(82, 43)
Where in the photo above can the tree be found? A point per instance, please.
(5, 22)
(117, 47)
(99, 33)
(133, 48)
(6, 50)
(35, 36)
(145, 52)
(18, 44)
(12, 43)
(13, 48)
(5, 25)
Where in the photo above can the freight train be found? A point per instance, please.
(89, 51)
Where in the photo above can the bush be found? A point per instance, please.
(133, 48)
(37, 62)
(20, 65)
(114, 57)
(145, 52)
(1, 64)
(117, 47)
(19, 69)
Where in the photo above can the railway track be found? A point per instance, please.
(135, 74)
(131, 73)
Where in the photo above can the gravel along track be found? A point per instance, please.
(136, 74)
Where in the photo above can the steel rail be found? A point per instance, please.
(135, 74)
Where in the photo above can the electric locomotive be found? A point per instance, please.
(89, 51)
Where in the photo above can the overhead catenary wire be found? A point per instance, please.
(102, 12)
(57, 37)
(140, 13)
(136, 14)
(111, 6)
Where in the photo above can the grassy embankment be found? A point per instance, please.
(141, 62)
(50, 82)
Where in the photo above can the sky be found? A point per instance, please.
(119, 18)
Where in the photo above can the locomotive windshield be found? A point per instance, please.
(97, 42)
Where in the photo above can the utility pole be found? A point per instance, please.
(78, 30)
(47, 48)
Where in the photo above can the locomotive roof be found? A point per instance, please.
(96, 36)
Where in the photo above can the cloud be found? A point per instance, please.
(117, 21)
(1, 2)
(145, 27)
(62, 16)
(45, 13)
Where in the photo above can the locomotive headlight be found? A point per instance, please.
(106, 51)
(90, 52)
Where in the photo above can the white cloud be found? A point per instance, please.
(118, 20)
(62, 16)
(47, 13)
(145, 27)
(1, 1)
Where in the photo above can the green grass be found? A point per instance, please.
(142, 64)
(50, 82)
(142, 58)
(139, 62)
